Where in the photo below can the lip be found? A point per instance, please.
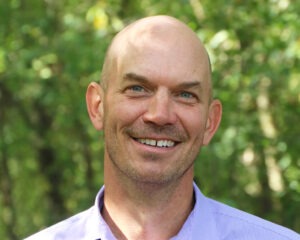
(155, 137)
(154, 149)
(157, 143)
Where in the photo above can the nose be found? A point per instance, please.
(160, 110)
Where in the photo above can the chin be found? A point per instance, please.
(153, 178)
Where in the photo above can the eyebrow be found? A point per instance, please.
(185, 85)
(135, 77)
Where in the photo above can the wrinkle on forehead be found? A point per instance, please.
(159, 33)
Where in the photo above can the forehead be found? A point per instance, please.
(160, 51)
(159, 60)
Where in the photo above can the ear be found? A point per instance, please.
(213, 120)
(94, 102)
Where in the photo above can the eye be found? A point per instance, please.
(136, 88)
(136, 91)
(186, 95)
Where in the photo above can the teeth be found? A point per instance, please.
(159, 143)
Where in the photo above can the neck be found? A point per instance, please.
(154, 211)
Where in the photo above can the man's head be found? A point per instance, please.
(155, 104)
(160, 30)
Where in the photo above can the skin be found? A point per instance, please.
(156, 89)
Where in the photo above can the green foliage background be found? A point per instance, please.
(50, 155)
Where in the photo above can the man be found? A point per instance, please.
(156, 109)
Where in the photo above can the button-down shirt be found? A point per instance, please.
(209, 220)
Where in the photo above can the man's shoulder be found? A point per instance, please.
(60, 230)
(235, 224)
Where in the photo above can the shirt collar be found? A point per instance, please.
(200, 222)
(96, 227)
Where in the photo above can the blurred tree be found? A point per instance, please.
(51, 157)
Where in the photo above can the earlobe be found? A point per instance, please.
(94, 102)
(213, 121)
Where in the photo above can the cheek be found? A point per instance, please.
(193, 122)
(124, 112)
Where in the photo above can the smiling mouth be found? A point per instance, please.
(156, 143)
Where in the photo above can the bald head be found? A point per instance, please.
(164, 34)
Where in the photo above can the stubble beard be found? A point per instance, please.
(127, 171)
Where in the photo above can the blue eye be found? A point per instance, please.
(186, 95)
(137, 88)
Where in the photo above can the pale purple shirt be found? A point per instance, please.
(209, 220)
